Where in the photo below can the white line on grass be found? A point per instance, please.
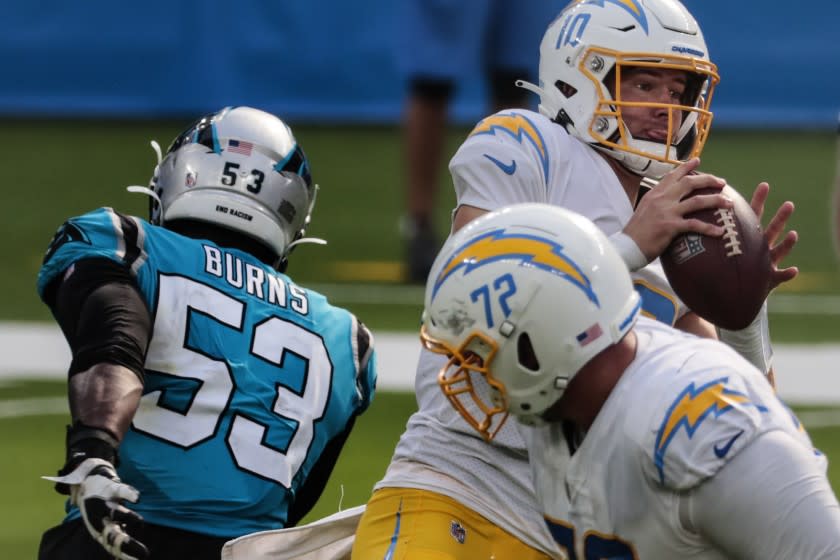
(804, 304)
(18, 408)
(805, 373)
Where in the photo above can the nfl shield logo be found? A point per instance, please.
(458, 532)
(687, 246)
(189, 180)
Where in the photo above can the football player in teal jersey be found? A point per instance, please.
(210, 395)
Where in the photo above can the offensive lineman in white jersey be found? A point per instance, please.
(625, 89)
(647, 442)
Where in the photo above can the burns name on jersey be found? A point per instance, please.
(254, 280)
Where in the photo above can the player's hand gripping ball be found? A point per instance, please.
(723, 279)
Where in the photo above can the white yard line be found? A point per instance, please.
(17, 408)
(805, 374)
(804, 304)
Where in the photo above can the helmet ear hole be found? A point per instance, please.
(526, 355)
(567, 89)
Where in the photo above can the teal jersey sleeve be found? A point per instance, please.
(102, 233)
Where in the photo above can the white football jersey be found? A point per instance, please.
(517, 156)
(512, 156)
(683, 409)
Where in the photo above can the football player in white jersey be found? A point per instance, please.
(647, 442)
(624, 94)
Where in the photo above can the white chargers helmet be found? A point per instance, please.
(519, 300)
(241, 169)
(582, 56)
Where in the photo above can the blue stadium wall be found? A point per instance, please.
(334, 61)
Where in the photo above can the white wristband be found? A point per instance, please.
(753, 341)
(629, 251)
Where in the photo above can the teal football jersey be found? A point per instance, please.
(248, 376)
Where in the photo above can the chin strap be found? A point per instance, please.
(146, 190)
(143, 190)
(283, 262)
(312, 240)
(156, 147)
(529, 86)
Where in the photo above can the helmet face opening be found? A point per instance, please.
(587, 51)
(685, 137)
(467, 383)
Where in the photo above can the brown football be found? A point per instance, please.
(723, 279)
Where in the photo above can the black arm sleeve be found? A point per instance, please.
(318, 477)
(103, 316)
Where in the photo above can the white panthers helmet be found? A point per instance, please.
(582, 56)
(241, 169)
(519, 300)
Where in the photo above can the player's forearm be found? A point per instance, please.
(103, 400)
(108, 328)
(105, 397)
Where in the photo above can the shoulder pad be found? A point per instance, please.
(508, 134)
(102, 233)
(705, 420)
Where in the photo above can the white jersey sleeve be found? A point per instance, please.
(780, 497)
(504, 160)
(710, 416)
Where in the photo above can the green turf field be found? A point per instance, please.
(55, 170)
(34, 446)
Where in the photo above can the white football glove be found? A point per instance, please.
(98, 492)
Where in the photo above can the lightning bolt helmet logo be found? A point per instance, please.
(532, 250)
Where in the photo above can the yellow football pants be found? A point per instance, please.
(408, 524)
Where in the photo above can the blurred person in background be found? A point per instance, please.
(647, 442)
(624, 114)
(210, 395)
(443, 40)
(836, 205)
